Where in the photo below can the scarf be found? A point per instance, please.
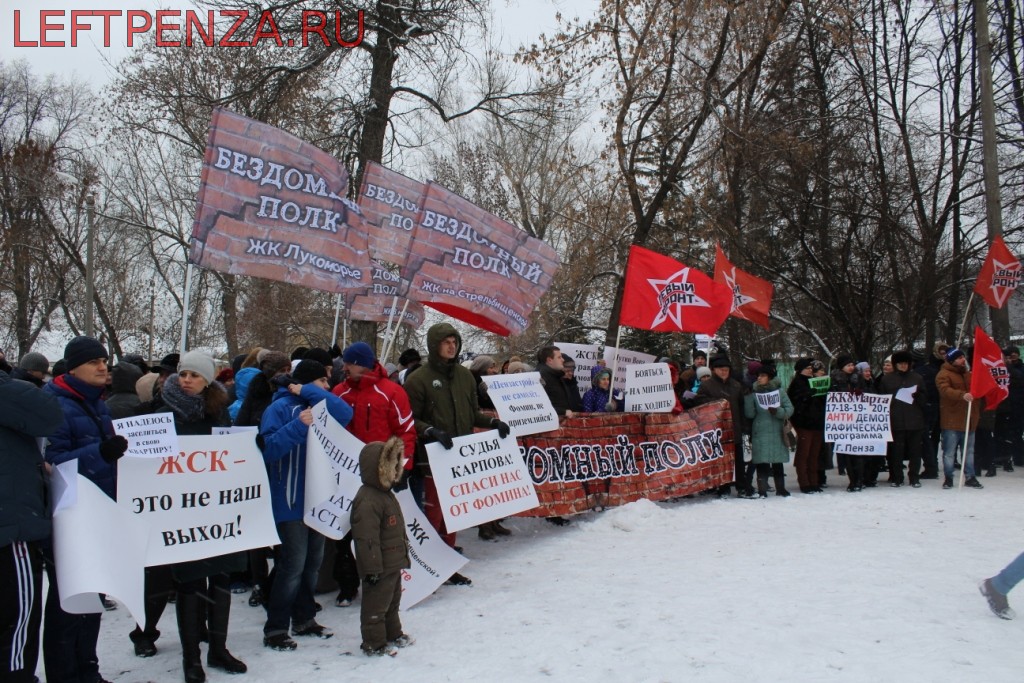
(188, 408)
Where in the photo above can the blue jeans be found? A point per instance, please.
(296, 565)
(952, 438)
(1011, 575)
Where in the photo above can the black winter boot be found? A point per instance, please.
(762, 485)
(218, 612)
(780, 486)
(187, 607)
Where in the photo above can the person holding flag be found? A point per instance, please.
(955, 416)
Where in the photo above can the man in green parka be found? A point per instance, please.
(443, 397)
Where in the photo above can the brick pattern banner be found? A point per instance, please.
(473, 266)
(610, 459)
(391, 205)
(377, 308)
(273, 206)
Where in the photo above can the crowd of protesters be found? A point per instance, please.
(397, 410)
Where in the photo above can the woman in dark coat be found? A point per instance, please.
(199, 404)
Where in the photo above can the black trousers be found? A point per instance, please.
(21, 610)
(69, 640)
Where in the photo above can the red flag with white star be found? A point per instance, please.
(989, 377)
(999, 276)
(751, 296)
(663, 295)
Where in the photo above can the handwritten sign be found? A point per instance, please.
(586, 357)
(768, 399)
(624, 358)
(522, 402)
(432, 560)
(480, 479)
(853, 420)
(210, 498)
(649, 388)
(332, 474)
(149, 436)
(820, 385)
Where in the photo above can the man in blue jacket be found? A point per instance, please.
(297, 560)
(26, 414)
(85, 435)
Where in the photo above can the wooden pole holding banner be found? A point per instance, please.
(391, 341)
(610, 406)
(184, 309)
(963, 325)
(967, 436)
(344, 332)
(337, 314)
(387, 328)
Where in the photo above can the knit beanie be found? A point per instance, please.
(273, 361)
(34, 362)
(481, 364)
(953, 354)
(199, 363)
(703, 373)
(81, 350)
(308, 371)
(863, 365)
(360, 354)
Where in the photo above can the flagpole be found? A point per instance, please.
(963, 325)
(184, 308)
(387, 328)
(610, 406)
(337, 314)
(967, 436)
(391, 344)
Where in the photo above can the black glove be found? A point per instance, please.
(373, 579)
(113, 448)
(403, 481)
(503, 428)
(440, 436)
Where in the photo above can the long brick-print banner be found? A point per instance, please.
(610, 459)
(273, 206)
(476, 267)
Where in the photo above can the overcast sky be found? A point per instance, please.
(518, 21)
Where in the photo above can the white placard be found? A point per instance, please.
(862, 447)
(625, 359)
(649, 388)
(852, 418)
(332, 474)
(703, 342)
(768, 399)
(432, 560)
(220, 431)
(522, 403)
(99, 547)
(211, 498)
(906, 394)
(586, 357)
(480, 479)
(149, 436)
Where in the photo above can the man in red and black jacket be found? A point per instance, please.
(380, 409)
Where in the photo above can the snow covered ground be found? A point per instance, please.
(874, 586)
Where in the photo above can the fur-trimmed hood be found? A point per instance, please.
(380, 463)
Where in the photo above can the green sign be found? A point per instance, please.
(820, 385)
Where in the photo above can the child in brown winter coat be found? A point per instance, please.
(378, 529)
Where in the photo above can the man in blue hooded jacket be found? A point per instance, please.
(297, 560)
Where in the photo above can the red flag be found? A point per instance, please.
(999, 276)
(989, 377)
(751, 296)
(664, 295)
